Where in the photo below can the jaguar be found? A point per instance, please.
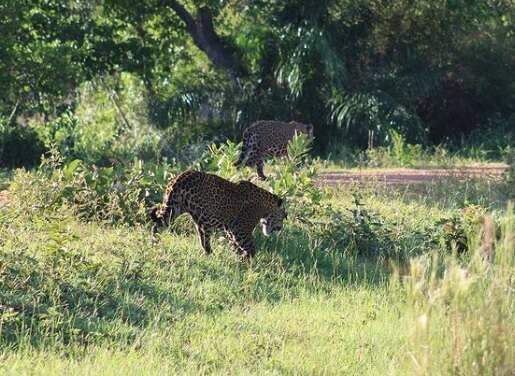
(265, 139)
(215, 203)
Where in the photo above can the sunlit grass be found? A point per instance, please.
(88, 298)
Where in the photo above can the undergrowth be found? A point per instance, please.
(357, 282)
(398, 153)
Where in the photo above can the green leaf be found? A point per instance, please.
(71, 167)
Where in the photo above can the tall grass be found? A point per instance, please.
(464, 319)
(86, 298)
(359, 280)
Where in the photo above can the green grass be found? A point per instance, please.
(445, 194)
(376, 160)
(87, 298)
(178, 308)
(401, 154)
(346, 331)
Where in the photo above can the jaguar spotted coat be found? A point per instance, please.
(218, 204)
(266, 139)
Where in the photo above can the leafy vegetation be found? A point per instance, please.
(383, 275)
(357, 70)
(104, 101)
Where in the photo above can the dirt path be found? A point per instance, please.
(3, 198)
(400, 176)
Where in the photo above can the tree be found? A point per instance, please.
(200, 27)
(352, 68)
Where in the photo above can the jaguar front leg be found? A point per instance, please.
(244, 243)
(248, 151)
(204, 236)
(260, 165)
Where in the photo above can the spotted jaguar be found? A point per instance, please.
(266, 139)
(215, 203)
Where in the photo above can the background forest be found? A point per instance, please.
(114, 78)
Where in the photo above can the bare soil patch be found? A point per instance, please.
(3, 198)
(401, 176)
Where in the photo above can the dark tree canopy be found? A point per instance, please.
(430, 70)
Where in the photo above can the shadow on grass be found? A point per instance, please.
(42, 306)
(333, 261)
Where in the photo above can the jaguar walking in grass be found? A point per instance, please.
(218, 204)
(266, 139)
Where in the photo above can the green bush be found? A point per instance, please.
(95, 132)
(116, 194)
(398, 153)
(59, 133)
(19, 146)
(456, 232)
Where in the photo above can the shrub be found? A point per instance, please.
(112, 194)
(60, 133)
(398, 153)
(456, 232)
(19, 146)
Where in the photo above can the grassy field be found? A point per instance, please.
(384, 294)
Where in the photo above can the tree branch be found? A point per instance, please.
(183, 14)
(201, 29)
(13, 112)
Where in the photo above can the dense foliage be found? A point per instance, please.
(355, 69)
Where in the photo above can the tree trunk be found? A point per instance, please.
(201, 29)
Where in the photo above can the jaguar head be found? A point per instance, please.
(274, 221)
(308, 129)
